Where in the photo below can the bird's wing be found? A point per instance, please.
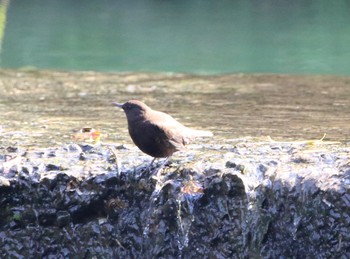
(152, 140)
(174, 130)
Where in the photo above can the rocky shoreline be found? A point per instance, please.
(248, 199)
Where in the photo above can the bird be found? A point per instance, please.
(156, 133)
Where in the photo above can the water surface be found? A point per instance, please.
(196, 36)
(45, 108)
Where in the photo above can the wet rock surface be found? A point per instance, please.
(252, 198)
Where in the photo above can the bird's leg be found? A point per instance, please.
(152, 162)
(150, 165)
(164, 162)
(161, 166)
(158, 169)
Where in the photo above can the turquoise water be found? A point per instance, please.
(193, 36)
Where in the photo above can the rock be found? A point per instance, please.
(52, 167)
(63, 218)
(291, 202)
(4, 182)
(75, 148)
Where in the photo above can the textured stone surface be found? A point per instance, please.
(252, 199)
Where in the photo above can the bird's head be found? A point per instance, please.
(132, 108)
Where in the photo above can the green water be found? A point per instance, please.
(194, 36)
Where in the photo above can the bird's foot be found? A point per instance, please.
(156, 172)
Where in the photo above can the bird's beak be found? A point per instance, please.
(120, 105)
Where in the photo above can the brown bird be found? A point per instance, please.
(157, 133)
